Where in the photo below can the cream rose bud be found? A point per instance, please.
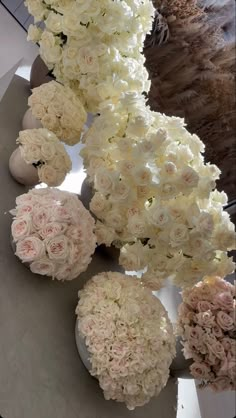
(21, 228)
(189, 177)
(178, 234)
(104, 181)
(57, 247)
(98, 203)
(30, 249)
(224, 321)
(43, 266)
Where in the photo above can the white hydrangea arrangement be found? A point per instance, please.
(53, 233)
(155, 197)
(94, 46)
(59, 110)
(42, 148)
(129, 338)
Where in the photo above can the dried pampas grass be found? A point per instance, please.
(190, 57)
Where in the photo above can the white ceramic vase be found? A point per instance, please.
(81, 346)
(29, 121)
(22, 172)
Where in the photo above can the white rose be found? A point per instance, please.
(142, 176)
(178, 234)
(34, 33)
(48, 150)
(21, 227)
(51, 122)
(30, 249)
(87, 60)
(115, 219)
(44, 266)
(98, 203)
(58, 247)
(104, 181)
(189, 177)
(137, 127)
(49, 175)
(104, 234)
(37, 9)
(121, 191)
(158, 216)
(54, 22)
(136, 226)
(224, 239)
(130, 261)
(30, 153)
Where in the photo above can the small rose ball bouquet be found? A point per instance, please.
(94, 46)
(42, 148)
(53, 233)
(208, 328)
(59, 110)
(128, 335)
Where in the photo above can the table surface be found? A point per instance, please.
(41, 374)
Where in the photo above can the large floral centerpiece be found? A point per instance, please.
(53, 233)
(208, 328)
(129, 338)
(59, 110)
(41, 148)
(94, 46)
(155, 196)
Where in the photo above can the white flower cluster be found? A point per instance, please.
(94, 46)
(59, 110)
(154, 195)
(53, 233)
(129, 338)
(43, 149)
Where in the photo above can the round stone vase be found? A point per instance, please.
(29, 121)
(22, 172)
(82, 349)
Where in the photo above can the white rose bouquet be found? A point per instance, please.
(59, 110)
(42, 148)
(94, 46)
(129, 338)
(207, 326)
(155, 197)
(53, 233)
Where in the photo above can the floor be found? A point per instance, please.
(191, 403)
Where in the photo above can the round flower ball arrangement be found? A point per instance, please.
(129, 337)
(207, 324)
(154, 197)
(53, 233)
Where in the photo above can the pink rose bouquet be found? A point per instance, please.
(53, 233)
(128, 335)
(207, 326)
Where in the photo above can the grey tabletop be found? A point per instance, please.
(41, 374)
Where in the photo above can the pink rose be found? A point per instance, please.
(25, 209)
(217, 331)
(63, 272)
(194, 333)
(220, 384)
(76, 233)
(224, 300)
(57, 247)
(41, 217)
(30, 249)
(227, 343)
(21, 227)
(200, 370)
(205, 319)
(204, 306)
(61, 214)
(224, 321)
(44, 266)
(52, 229)
(24, 199)
(192, 300)
(217, 349)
